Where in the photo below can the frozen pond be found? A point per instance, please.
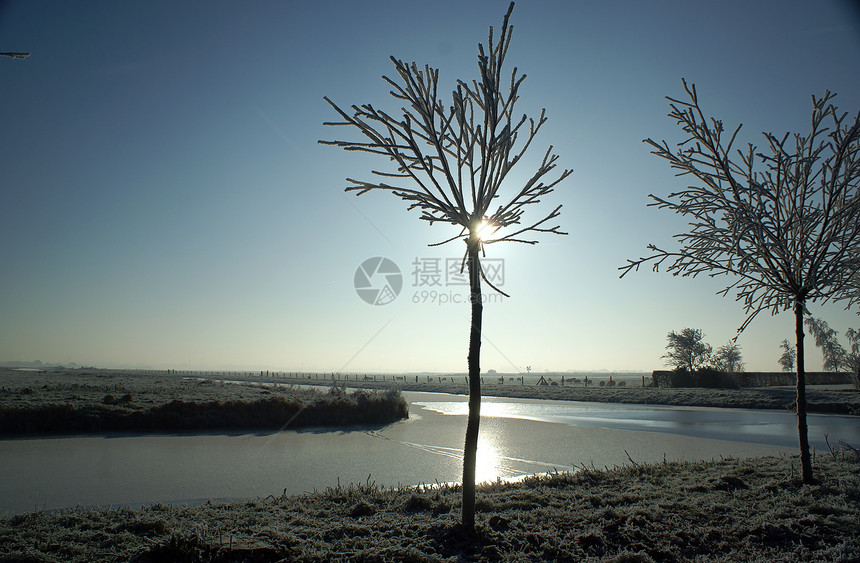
(518, 437)
(760, 426)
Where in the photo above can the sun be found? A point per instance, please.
(486, 230)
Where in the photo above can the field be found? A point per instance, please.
(75, 401)
(80, 387)
(843, 399)
(87, 401)
(834, 399)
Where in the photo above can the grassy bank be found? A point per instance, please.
(74, 402)
(728, 510)
(819, 399)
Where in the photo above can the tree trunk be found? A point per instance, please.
(802, 431)
(471, 447)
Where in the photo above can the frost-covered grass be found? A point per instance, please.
(81, 402)
(819, 398)
(72, 386)
(728, 510)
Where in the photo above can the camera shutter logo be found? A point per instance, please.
(378, 281)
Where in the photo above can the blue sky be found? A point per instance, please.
(166, 203)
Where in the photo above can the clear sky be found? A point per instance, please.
(165, 202)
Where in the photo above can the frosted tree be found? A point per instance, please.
(782, 223)
(788, 357)
(686, 349)
(728, 358)
(827, 340)
(851, 292)
(837, 358)
(451, 163)
(852, 358)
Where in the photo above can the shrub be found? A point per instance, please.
(707, 377)
(272, 412)
(713, 378)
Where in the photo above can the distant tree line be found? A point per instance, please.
(687, 352)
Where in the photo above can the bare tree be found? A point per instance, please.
(728, 358)
(450, 163)
(782, 223)
(788, 357)
(686, 349)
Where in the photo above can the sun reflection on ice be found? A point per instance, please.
(487, 465)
